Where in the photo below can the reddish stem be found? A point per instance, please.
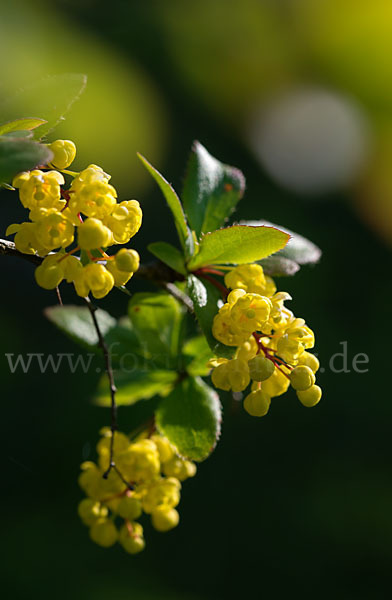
(223, 290)
(269, 355)
(209, 270)
(66, 194)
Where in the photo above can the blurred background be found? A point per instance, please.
(297, 94)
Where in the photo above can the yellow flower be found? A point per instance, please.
(104, 533)
(164, 518)
(310, 397)
(257, 403)
(276, 385)
(40, 190)
(124, 221)
(93, 234)
(120, 277)
(179, 468)
(302, 378)
(64, 152)
(131, 537)
(250, 312)
(94, 278)
(127, 260)
(49, 274)
(54, 231)
(96, 199)
(250, 278)
(225, 330)
(140, 462)
(231, 375)
(164, 491)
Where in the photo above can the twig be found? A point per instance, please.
(221, 288)
(155, 271)
(179, 295)
(112, 386)
(8, 248)
(59, 298)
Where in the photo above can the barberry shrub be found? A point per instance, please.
(219, 323)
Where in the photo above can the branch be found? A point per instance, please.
(156, 272)
(112, 385)
(8, 248)
(180, 296)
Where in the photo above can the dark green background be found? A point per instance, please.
(296, 504)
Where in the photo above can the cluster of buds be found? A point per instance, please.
(271, 343)
(146, 479)
(86, 216)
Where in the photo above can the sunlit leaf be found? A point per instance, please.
(20, 125)
(174, 204)
(169, 255)
(237, 245)
(211, 190)
(190, 417)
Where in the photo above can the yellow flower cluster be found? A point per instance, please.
(154, 472)
(86, 216)
(271, 343)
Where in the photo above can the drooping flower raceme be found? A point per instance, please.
(271, 343)
(85, 217)
(147, 479)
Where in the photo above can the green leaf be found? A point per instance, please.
(174, 204)
(237, 245)
(20, 125)
(190, 417)
(197, 353)
(139, 384)
(123, 344)
(299, 249)
(211, 190)
(205, 299)
(76, 323)
(18, 154)
(156, 319)
(169, 255)
(51, 98)
(279, 266)
(23, 133)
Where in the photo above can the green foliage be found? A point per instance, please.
(49, 98)
(156, 319)
(238, 244)
(150, 353)
(169, 255)
(76, 323)
(140, 381)
(19, 154)
(198, 352)
(122, 342)
(279, 266)
(22, 133)
(211, 190)
(174, 204)
(20, 125)
(205, 299)
(298, 250)
(190, 417)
